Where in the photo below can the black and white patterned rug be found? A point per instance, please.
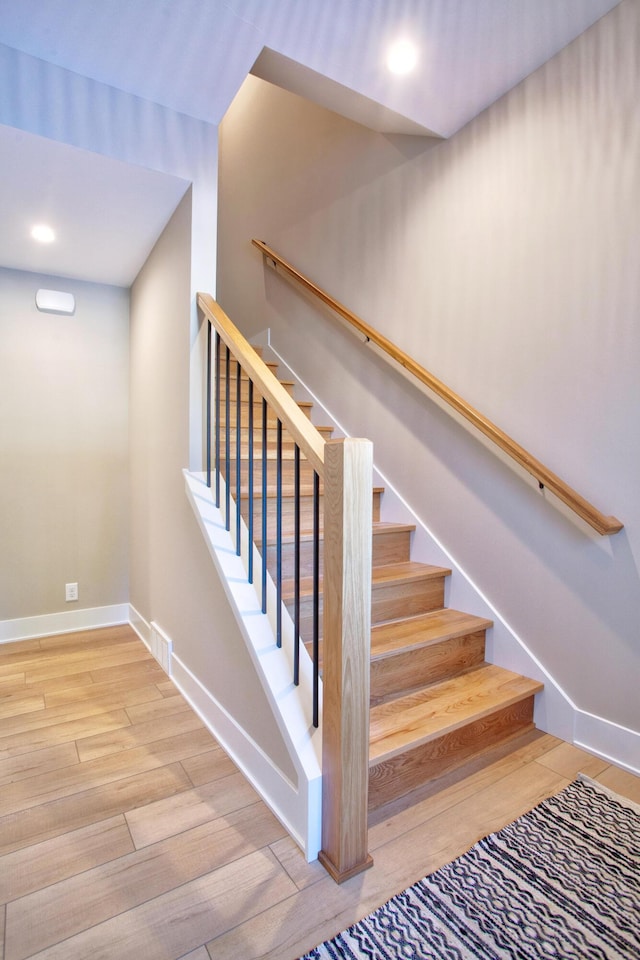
(561, 882)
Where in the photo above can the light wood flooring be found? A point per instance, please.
(126, 831)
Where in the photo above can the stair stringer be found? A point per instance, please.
(554, 712)
(298, 806)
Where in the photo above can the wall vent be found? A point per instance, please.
(161, 647)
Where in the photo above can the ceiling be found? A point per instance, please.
(107, 214)
(192, 55)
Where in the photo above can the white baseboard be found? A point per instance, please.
(141, 626)
(608, 740)
(67, 621)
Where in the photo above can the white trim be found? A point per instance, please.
(67, 621)
(141, 626)
(298, 806)
(608, 740)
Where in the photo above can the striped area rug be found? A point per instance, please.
(561, 882)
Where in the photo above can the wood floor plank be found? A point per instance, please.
(289, 929)
(138, 734)
(42, 864)
(182, 920)
(35, 824)
(570, 761)
(81, 661)
(54, 785)
(52, 663)
(50, 915)
(167, 817)
(19, 648)
(149, 669)
(93, 689)
(26, 741)
(622, 782)
(140, 671)
(47, 686)
(93, 638)
(212, 765)
(158, 707)
(65, 712)
(37, 762)
(15, 704)
(292, 859)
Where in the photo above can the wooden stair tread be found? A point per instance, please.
(396, 636)
(306, 489)
(244, 379)
(427, 714)
(380, 527)
(271, 432)
(389, 573)
(407, 571)
(257, 402)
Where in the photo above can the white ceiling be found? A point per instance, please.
(192, 55)
(107, 214)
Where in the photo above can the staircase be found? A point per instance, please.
(435, 702)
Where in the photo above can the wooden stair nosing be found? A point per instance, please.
(306, 490)
(388, 574)
(407, 571)
(395, 637)
(406, 722)
(380, 528)
(271, 434)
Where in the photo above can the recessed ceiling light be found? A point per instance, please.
(402, 57)
(43, 234)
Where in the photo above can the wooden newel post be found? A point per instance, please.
(346, 656)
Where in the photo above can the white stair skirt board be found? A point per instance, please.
(67, 621)
(297, 806)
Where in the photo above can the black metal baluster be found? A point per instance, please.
(209, 404)
(227, 442)
(316, 596)
(218, 405)
(296, 566)
(250, 482)
(238, 461)
(279, 535)
(264, 505)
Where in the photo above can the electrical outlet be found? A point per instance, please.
(71, 591)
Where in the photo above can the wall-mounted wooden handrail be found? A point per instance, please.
(544, 476)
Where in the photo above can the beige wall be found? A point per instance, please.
(63, 447)
(505, 261)
(173, 580)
